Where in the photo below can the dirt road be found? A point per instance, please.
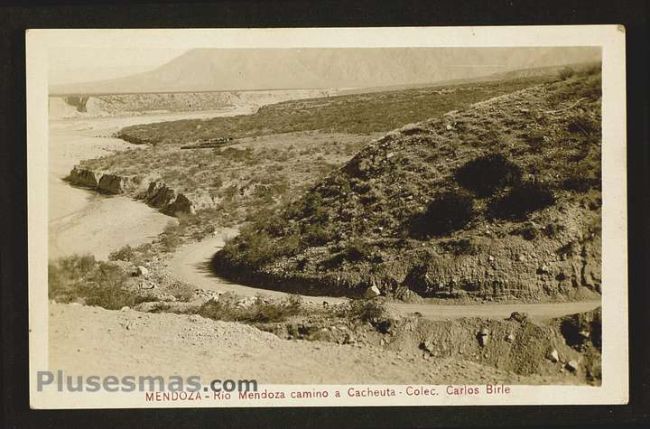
(191, 264)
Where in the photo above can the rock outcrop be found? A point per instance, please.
(157, 194)
(167, 200)
(115, 184)
(105, 183)
(84, 177)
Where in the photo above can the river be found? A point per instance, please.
(81, 221)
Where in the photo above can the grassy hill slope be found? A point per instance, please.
(498, 200)
(355, 114)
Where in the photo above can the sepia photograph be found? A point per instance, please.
(223, 218)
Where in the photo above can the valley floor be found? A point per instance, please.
(93, 340)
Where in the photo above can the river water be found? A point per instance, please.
(81, 221)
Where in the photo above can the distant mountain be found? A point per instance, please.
(250, 69)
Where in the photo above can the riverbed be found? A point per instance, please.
(81, 221)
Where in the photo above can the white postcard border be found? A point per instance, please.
(615, 383)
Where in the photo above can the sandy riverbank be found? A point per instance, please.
(81, 221)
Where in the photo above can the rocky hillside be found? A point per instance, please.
(498, 200)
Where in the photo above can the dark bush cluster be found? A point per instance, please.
(448, 212)
(228, 307)
(354, 251)
(566, 72)
(357, 250)
(82, 279)
(487, 174)
(580, 184)
(369, 311)
(535, 140)
(583, 124)
(336, 185)
(313, 207)
(318, 235)
(255, 247)
(522, 200)
(125, 253)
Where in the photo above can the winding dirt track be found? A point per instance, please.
(191, 264)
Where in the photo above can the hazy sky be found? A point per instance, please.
(234, 69)
(82, 64)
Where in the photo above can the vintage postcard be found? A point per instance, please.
(327, 217)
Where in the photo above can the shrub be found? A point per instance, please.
(336, 185)
(288, 245)
(535, 140)
(448, 212)
(357, 250)
(126, 253)
(367, 310)
(486, 174)
(170, 242)
(318, 235)
(255, 247)
(230, 307)
(583, 124)
(272, 223)
(353, 251)
(565, 73)
(181, 291)
(580, 184)
(82, 279)
(523, 200)
(65, 274)
(313, 207)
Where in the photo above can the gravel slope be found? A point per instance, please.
(90, 340)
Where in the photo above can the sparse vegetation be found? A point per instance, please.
(229, 308)
(356, 250)
(583, 124)
(255, 246)
(82, 279)
(367, 310)
(181, 291)
(125, 253)
(566, 73)
(356, 114)
(454, 196)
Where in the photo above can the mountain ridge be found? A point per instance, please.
(205, 70)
